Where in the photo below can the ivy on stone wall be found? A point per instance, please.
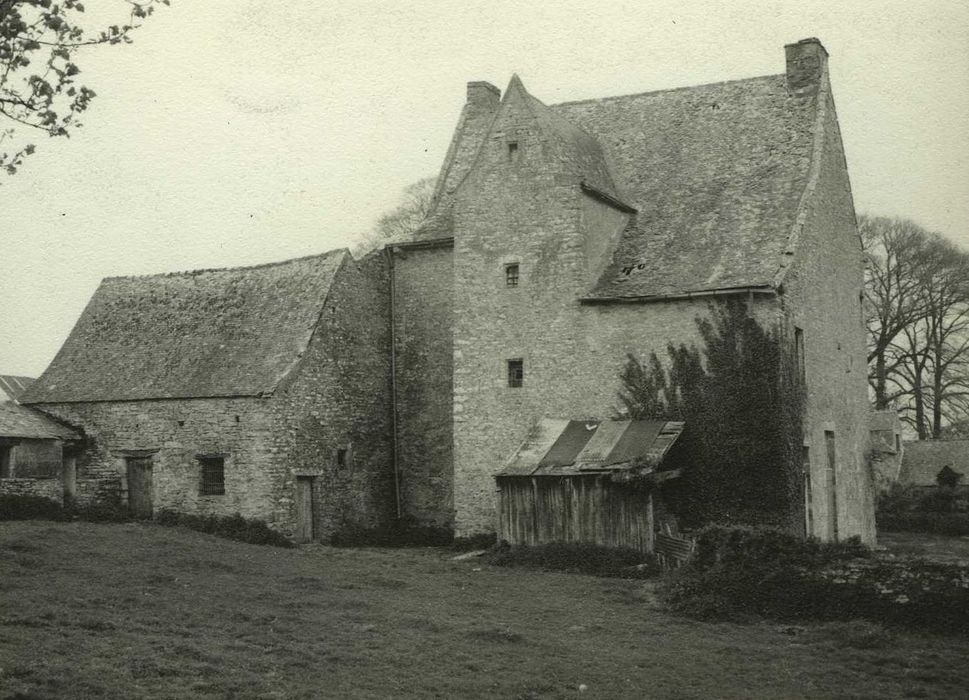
(741, 397)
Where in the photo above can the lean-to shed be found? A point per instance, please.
(586, 481)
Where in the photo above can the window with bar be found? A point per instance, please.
(516, 373)
(511, 274)
(213, 476)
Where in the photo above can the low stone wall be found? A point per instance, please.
(45, 488)
(91, 491)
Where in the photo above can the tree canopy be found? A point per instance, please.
(917, 317)
(39, 88)
(402, 220)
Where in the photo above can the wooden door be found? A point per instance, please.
(139, 486)
(304, 508)
(69, 478)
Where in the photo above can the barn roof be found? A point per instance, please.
(18, 421)
(922, 460)
(560, 446)
(716, 173)
(205, 333)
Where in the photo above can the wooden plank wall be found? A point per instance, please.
(581, 508)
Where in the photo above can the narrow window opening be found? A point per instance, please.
(213, 476)
(799, 355)
(808, 495)
(341, 458)
(6, 465)
(181, 424)
(513, 151)
(237, 419)
(511, 274)
(832, 484)
(516, 373)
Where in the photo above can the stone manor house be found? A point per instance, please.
(327, 392)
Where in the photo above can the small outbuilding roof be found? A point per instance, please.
(559, 446)
(922, 461)
(18, 421)
(205, 333)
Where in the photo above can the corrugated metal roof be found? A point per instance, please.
(558, 446)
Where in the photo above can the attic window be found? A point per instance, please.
(213, 476)
(511, 274)
(516, 373)
(513, 151)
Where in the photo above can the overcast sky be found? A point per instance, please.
(241, 132)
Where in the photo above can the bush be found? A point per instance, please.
(737, 572)
(403, 532)
(950, 524)
(578, 558)
(233, 527)
(30, 508)
(484, 540)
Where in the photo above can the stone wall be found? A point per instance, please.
(423, 325)
(176, 431)
(45, 488)
(824, 298)
(339, 399)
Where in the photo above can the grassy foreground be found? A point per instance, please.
(141, 611)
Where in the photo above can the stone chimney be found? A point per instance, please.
(806, 61)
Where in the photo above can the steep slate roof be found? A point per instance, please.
(716, 173)
(231, 332)
(923, 459)
(18, 421)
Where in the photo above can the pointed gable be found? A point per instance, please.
(206, 333)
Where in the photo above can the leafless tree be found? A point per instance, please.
(917, 289)
(403, 220)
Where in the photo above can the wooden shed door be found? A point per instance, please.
(304, 508)
(139, 486)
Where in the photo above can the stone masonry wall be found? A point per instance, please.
(339, 399)
(823, 298)
(178, 430)
(45, 488)
(423, 322)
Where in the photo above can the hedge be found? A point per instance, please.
(738, 572)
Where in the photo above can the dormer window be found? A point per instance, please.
(513, 151)
(511, 275)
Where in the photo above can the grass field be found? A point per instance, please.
(142, 611)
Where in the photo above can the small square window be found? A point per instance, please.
(516, 373)
(213, 476)
(511, 275)
(341, 458)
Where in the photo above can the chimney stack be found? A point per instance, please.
(806, 61)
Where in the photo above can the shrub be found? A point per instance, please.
(403, 532)
(30, 508)
(233, 527)
(950, 524)
(484, 540)
(739, 572)
(578, 558)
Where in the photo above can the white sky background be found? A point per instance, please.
(237, 132)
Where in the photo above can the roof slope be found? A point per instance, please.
(12, 386)
(923, 459)
(716, 172)
(232, 332)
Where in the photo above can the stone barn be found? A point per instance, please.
(560, 240)
(262, 391)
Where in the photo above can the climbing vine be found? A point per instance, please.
(741, 396)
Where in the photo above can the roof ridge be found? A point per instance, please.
(184, 273)
(656, 92)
